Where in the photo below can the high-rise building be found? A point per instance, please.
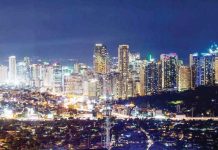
(12, 69)
(73, 85)
(142, 78)
(113, 64)
(101, 59)
(36, 75)
(21, 71)
(184, 79)
(135, 64)
(28, 70)
(202, 69)
(152, 77)
(3, 74)
(169, 64)
(48, 78)
(216, 70)
(123, 68)
(57, 78)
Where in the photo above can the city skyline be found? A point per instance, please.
(109, 74)
(72, 28)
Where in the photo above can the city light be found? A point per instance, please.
(8, 113)
(112, 74)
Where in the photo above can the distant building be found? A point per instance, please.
(73, 85)
(58, 78)
(100, 59)
(184, 79)
(169, 64)
(152, 74)
(36, 75)
(202, 69)
(21, 72)
(3, 74)
(142, 79)
(48, 77)
(134, 72)
(12, 69)
(216, 70)
(123, 68)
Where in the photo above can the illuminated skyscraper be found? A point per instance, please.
(12, 69)
(123, 66)
(48, 77)
(135, 64)
(216, 70)
(73, 85)
(57, 78)
(184, 80)
(3, 74)
(202, 69)
(36, 75)
(142, 78)
(101, 59)
(152, 75)
(169, 64)
(21, 71)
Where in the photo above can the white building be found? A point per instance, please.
(3, 74)
(12, 69)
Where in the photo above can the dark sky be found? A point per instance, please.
(70, 28)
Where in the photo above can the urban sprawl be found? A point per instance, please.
(71, 105)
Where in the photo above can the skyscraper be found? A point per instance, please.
(100, 59)
(57, 78)
(123, 65)
(151, 77)
(3, 74)
(202, 69)
(184, 79)
(12, 69)
(169, 64)
(36, 75)
(216, 70)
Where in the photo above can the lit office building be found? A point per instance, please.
(21, 72)
(48, 79)
(134, 71)
(36, 75)
(85, 87)
(184, 79)
(114, 64)
(28, 70)
(130, 87)
(152, 77)
(115, 85)
(93, 88)
(123, 66)
(12, 69)
(142, 79)
(169, 64)
(100, 59)
(202, 69)
(57, 78)
(216, 70)
(3, 74)
(73, 85)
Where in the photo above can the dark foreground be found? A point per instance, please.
(125, 134)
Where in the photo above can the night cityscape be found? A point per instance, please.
(113, 75)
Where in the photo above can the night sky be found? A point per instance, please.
(70, 28)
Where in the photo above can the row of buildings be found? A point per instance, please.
(132, 76)
(117, 77)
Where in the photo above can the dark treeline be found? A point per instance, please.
(202, 100)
